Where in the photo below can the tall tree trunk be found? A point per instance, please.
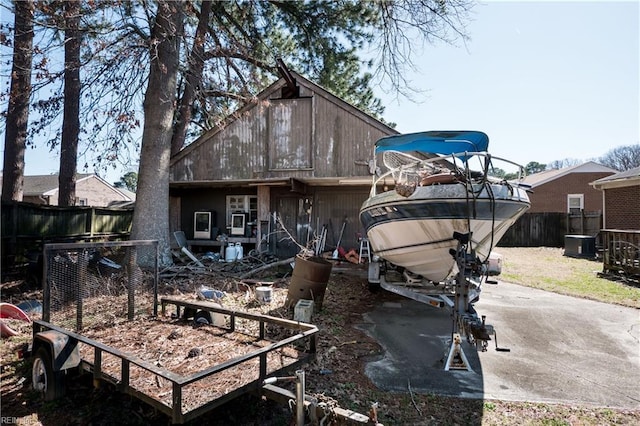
(194, 78)
(151, 214)
(71, 118)
(15, 137)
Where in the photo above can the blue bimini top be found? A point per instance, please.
(435, 142)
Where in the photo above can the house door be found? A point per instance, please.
(293, 217)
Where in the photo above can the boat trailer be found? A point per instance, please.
(457, 293)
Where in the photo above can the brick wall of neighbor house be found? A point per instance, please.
(552, 196)
(96, 193)
(622, 208)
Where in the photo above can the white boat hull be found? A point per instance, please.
(416, 232)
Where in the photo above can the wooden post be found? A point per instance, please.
(264, 202)
(80, 284)
(132, 279)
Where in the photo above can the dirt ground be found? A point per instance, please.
(336, 375)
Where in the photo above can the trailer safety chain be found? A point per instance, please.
(326, 410)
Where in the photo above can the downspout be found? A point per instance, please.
(604, 209)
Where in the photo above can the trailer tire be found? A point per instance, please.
(49, 383)
(202, 317)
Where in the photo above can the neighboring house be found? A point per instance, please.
(91, 190)
(298, 153)
(620, 200)
(567, 190)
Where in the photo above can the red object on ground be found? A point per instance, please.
(8, 310)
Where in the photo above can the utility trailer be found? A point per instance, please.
(182, 397)
(101, 316)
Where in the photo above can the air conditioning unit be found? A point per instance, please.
(238, 222)
(580, 246)
(202, 225)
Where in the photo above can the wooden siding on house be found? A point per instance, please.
(333, 206)
(289, 138)
(314, 136)
(293, 155)
(302, 214)
(233, 153)
(325, 207)
(207, 200)
(345, 140)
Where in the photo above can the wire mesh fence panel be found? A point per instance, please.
(94, 285)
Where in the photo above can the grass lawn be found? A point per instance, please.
(548, 269)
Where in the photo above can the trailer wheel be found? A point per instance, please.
(202, 317)
(44, 380)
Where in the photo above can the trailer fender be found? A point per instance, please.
(63, 349)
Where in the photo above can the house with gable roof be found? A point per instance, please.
(567, 190)
(297, 157)
(563, 203)
(91, 190)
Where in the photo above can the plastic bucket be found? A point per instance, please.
(263, 294)
(309, 281)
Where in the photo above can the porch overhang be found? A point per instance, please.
(296, 184)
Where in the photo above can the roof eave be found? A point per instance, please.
(617, 183)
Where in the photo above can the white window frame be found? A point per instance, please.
(242, 204)
(573, 197)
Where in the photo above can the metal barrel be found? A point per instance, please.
(309, 281)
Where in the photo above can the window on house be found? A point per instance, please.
(82, 202)
(575, 203)
(242, 204)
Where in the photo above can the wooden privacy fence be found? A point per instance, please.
(584, 223)
(536, 230)
(26, 226)
(548, 229)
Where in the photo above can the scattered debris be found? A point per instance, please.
(194, 352)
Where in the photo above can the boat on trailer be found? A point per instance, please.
(433, 216)
(432, 192)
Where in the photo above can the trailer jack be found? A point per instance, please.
(306, 404)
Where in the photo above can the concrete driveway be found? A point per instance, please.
(562, 349)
